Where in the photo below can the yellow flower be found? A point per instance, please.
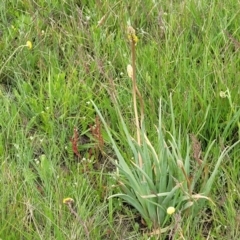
(132, 35)
(170, 210)
(68, 200)
(29, 44)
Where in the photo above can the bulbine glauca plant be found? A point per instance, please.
(162, 178)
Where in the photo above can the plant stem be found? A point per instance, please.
(134, 92)
(73, 212)
(9, 58)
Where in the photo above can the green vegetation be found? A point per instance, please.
(73, 163)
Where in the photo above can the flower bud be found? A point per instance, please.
(130, 70)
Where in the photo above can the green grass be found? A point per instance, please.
(187, 49)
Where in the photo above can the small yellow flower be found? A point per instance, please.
(132, 35)
(170, 210)
(29, 45)
(68, 200)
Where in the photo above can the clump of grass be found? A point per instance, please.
(69, 202)
(28, 45)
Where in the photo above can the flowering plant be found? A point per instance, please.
(162, 176)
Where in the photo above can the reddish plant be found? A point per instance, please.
(96, 133)
(74, 140)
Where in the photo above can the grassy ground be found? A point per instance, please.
(80, 52)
